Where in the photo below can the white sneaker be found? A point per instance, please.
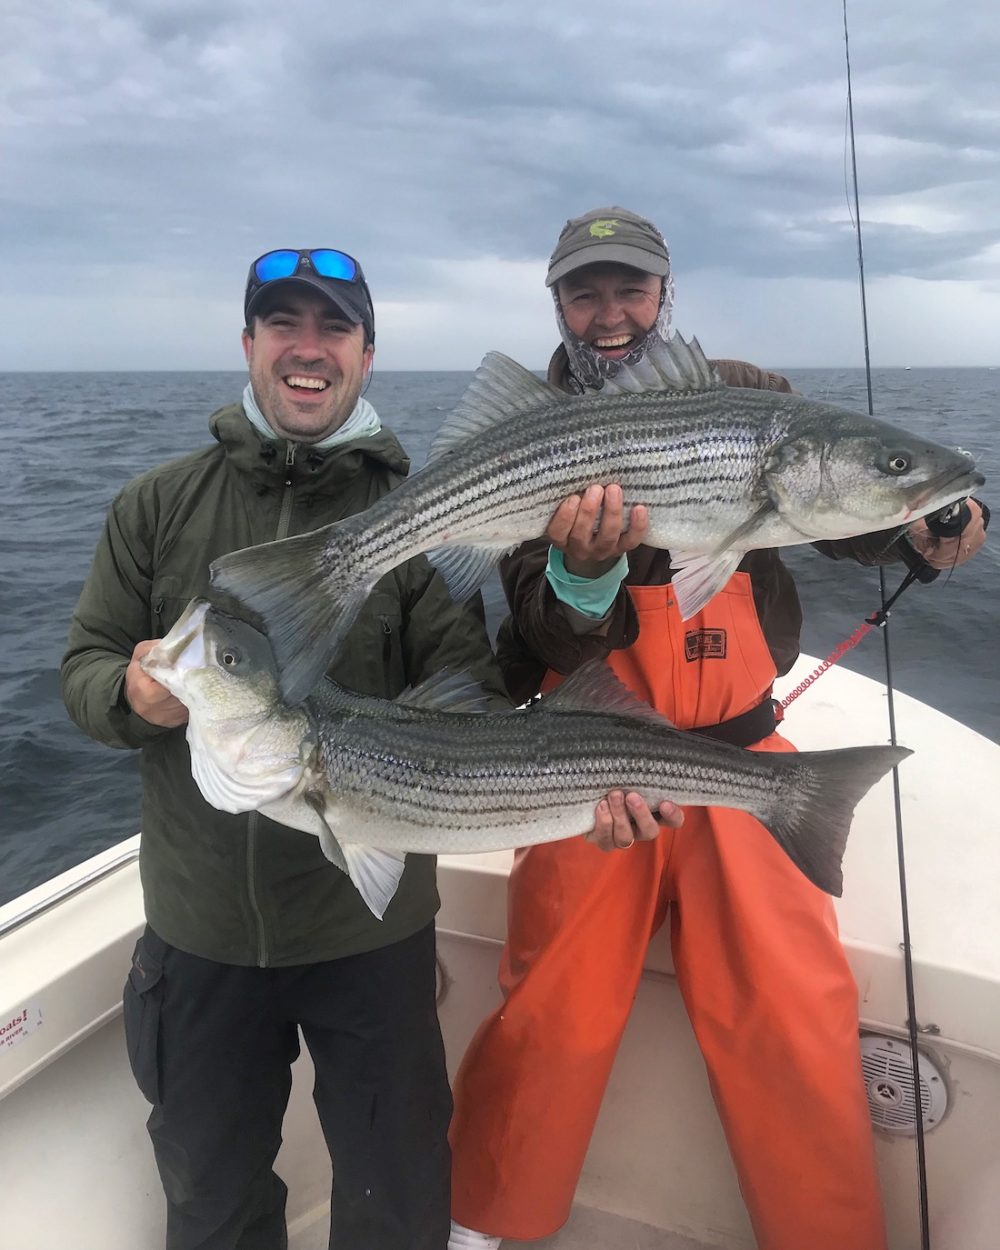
(463, 1238)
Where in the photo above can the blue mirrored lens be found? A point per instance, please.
(331, 264)
(277, 265)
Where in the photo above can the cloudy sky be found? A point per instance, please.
(150, 149)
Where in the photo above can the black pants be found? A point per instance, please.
(211, 1046)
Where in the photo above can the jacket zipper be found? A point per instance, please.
(262, 951)
(285, 515)
(386, 643)
(284, 522)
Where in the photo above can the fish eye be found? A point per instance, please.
(229, 657)
(899, 463)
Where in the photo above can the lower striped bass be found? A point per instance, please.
(720, 470)
(431, 772)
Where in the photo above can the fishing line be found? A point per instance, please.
(875, 621)
(911, 1009)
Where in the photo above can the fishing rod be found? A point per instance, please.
(911, 1007)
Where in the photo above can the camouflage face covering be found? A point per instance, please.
(589, 368)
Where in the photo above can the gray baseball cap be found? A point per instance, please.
(612, 235)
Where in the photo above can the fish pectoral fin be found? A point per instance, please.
(374, 874)
(464, 569)
(328, 841)
(699, 578)
(738, 538)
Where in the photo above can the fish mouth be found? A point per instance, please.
(963, 480)
(162, 660)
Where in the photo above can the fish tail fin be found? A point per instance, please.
(811, 818)
(305, 598)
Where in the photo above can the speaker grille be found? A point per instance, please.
(888, 1074)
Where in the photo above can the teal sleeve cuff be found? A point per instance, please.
(592, 596)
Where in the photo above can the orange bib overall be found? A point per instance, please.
(758, 961)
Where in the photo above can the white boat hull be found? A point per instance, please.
(75, 1162)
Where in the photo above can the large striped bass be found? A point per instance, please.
(721, 471)
(375, 780)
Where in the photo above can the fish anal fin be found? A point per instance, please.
(464, 569)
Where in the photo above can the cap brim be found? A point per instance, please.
(610, 254)
(338, 293)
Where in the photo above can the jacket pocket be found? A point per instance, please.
(141, 1003)
(373, 660)
(168, 599)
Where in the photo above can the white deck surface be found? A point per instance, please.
(72, 1118)
(586, 1229)
(589, 1229)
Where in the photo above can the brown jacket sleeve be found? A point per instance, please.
(869, 549)
(743, 374)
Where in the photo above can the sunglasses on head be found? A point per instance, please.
(325, 261)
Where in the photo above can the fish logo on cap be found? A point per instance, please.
(603, 228)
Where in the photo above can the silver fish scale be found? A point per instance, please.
(456, 771)
(669, 452)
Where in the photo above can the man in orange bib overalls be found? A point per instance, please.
(758, 961)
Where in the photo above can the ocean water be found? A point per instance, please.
(72, 440)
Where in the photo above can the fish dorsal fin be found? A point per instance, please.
(595, 688)
(501, 387)
(670, 365)
(445, 691)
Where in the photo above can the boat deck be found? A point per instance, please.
(590, 1229)
(586, 1229)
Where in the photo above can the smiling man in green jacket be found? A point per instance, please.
(252, 935)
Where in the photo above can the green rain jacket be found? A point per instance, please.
(242, 889)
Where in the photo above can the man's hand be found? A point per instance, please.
(622, 819)
(590, 546)
(945, 553)
(146, 697)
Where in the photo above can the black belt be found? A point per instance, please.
(744, 730)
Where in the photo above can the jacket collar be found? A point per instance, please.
(265, 460)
